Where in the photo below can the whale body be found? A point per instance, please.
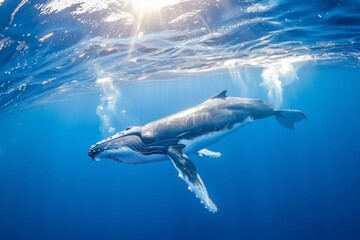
(190, 131)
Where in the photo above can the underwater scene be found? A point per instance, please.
(179, 119)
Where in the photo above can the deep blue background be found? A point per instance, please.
(270, 183)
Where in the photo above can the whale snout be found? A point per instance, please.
(92, 152)
(100, 148)
(96, 150)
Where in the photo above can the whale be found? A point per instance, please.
(191, 131)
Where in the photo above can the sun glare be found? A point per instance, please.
(148, 16)
(151, 5)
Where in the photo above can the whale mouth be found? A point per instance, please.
(92, 154)
(112, 147)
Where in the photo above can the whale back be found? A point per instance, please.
(215, 114)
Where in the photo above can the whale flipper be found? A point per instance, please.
(188, 172)
(209, 154)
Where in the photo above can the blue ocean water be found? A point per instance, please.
(73, 72)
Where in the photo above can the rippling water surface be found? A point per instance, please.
(68, 47)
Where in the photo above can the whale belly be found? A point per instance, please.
(196, 144)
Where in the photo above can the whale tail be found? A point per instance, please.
(287, 117)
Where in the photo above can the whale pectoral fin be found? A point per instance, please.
(188, 172)
(209, 154)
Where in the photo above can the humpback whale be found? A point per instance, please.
(189, 131)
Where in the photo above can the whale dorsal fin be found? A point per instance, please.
(220, 95)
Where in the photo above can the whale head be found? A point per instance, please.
(120, 146)
(128, 146)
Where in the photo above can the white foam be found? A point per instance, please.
(279, 74)
(106, 109)
(44, 38)
(82, 6)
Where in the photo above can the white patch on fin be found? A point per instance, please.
(209, 154)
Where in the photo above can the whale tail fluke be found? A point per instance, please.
(287, 117)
